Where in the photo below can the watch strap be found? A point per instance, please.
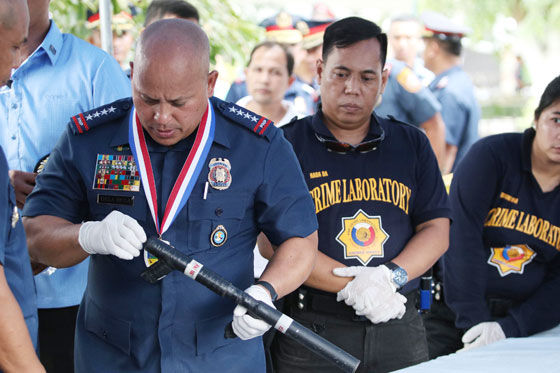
(268, 286)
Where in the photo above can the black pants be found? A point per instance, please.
(443, 337)
(56, 338)
(381, 347)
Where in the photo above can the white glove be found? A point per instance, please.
(118, 234)
(371, 293)
(245, 326)
(482, 334)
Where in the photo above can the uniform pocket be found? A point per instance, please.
(112, 330)
(205, 216)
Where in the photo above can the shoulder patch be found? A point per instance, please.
(409, 80)
(254, 122)
(83, 122)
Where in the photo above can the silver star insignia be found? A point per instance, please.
(104, 112)
(96, 114)
(232, 109)
(89, 117)
(254, 118)
(112, 109)
(247, 116)
(240, 112)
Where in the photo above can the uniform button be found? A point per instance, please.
(300, 305)
(301, 296)
(13, 137)
(104, 334)
(219, 211)
(14, 106)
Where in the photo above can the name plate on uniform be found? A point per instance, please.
(108, 199)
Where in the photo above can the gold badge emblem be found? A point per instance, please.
(218, 236)
(15, 217)
(511, 258)
(362, 237)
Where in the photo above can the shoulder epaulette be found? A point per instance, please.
(83, 122)
(255, 122)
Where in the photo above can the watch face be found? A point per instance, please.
(400, 276)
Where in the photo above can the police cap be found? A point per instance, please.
(313, 32)
(283, 28)
(436, 25)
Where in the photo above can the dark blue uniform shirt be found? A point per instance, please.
(127, 324)
(368, 204)
(13, 253)
(505, 238)
(459, 109)
(405, 98)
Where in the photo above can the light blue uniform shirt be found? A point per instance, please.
(63, 77)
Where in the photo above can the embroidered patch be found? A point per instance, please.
(362, 237)
(116, 172)
(511, 259)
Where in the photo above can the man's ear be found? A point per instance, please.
(212, 78)
(319, 66)
(131, 64)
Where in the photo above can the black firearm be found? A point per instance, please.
(170, 259)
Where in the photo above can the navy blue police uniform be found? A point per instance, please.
(367, 205)
(127, 324)
(460, 111)
(405, 98)
(503, 263)
(13, 254)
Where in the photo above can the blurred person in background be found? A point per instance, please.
(406, 45)
(451, 86)
(163, 9)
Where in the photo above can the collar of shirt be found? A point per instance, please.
(528, 137)
(121, 138)
(50, 46)
(318, 124)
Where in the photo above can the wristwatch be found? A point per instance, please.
(268, 286)
(398, 274)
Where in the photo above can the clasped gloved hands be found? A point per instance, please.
(371, 293)
(246, 326)
(118, 234)
(482, 334)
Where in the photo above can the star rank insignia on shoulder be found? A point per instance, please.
(83, 122)
(255, 122)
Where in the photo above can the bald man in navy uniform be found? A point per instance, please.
(172, 162)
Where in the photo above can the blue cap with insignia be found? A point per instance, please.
(283, 28)
(436, 25)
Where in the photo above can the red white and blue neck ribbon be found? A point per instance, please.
(187, 177)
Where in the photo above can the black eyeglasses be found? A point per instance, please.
(343, 147)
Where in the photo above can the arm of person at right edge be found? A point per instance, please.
(16, 349)
(435, 130)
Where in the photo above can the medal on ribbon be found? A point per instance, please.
(187, 177)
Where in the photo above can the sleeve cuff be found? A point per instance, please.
(509, 326)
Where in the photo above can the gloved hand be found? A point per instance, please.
(245, 326)
(118, 234)
(482, 334)
(371, 293)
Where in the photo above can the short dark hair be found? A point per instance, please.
(271, 44)
(179, 8)
(352, 30)
(550, 95)
(449, 44)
